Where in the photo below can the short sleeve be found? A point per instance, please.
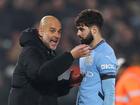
(107, 65)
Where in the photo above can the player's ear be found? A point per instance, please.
(94, 30)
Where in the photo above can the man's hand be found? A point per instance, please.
(80, 51)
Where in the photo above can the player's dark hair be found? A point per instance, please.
(89, 17)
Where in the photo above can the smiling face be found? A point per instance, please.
(50, 31)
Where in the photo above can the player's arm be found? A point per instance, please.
(108, 86)
(107, 69)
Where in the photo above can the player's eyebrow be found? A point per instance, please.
(80, 28)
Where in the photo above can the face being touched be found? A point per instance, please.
(50, 33)
(85, 34)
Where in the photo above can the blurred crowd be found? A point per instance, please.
(121, 29)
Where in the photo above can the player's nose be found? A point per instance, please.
(78, 33)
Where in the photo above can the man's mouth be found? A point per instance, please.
(54, 41)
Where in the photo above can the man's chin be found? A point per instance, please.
(53, 47)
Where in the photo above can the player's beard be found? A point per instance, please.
(88, 39)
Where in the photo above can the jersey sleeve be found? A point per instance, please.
(107, 65)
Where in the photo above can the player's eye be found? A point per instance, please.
(81, 29)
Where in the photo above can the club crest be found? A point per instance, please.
(89, 60)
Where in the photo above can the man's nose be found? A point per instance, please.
(58, 35)
(78, 33)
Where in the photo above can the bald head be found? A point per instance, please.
(47, 20)
(50, 31)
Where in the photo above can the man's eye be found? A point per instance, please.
(52, 30)
(60, 31)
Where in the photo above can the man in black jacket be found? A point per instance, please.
(35, 79)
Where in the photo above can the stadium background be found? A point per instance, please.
(121, 30)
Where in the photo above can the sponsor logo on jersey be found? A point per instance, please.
(107, 66)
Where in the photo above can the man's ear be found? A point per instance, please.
(94, 30)
(40, 31)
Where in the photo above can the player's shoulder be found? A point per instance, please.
(104, 49)
(107, 48)
(105, 52)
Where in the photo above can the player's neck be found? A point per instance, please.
(96, 40)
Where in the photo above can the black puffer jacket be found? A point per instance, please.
(35, 77)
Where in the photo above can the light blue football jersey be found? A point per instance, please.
(101, 62)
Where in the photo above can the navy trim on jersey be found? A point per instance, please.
(105, 76)
(102, 41)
